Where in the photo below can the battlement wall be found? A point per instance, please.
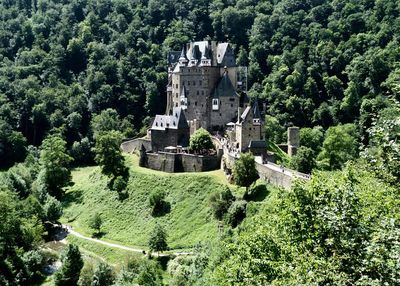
(135, 145)
(180, 162)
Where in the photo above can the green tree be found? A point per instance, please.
(103, 275)
(304, 160)
(52, 209)
(158, 239)
(340, 145)
(220, 203)
(109, 155)
(244, 170)
(96, 222)
(72, 264)
(201, 141)
(55, 165)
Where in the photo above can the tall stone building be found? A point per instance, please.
(169, 130)
(206, 83)
(247, 133)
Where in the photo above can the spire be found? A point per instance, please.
(183, 58)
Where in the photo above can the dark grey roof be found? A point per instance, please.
(256, 110)
(224, 87)
(183, 54)
(173, 57)
(177, 120)
(257, 144)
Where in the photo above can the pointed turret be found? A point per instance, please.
(183, 59)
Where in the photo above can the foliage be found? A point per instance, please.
(86, 275)
(244, 170)
(312, 138)
(158, 239)
(220, 203)
(72, 264)
(332, 230)
(157, 203)
(383, 150)
(200, 141)
(52, 209)
(103, 275)
(95, 222)
(304, 160)
(339, 146)
(236, 213)
(54, 162)
(108, 154)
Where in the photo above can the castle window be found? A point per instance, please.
(194, 82)
(215, 104)
(200, 82)
(176, 85)
(231, 105)
(231, 99)
(183, 82)
(176, 104)
(188, 70)
(195, 103)
(198, 92)
(176, 95)
(202, 92)
(188, 82)
(220, 114)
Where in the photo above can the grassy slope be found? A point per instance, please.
(129, 222)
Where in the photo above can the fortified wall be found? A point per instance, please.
(269, 172)
(179, 162)
(135, 144)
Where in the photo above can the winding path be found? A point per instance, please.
(109, 244)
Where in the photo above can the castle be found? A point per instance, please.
(206, 89)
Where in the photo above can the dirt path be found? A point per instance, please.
(109, 244)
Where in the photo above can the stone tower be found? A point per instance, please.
(203, 81)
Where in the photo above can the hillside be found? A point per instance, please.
(129, 221)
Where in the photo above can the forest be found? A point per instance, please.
(72, 70)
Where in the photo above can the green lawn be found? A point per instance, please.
(129, 222)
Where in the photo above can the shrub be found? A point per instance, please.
(157, 203)
(220, 203)
(236, 213)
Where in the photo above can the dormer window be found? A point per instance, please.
(215, 104)
(256, 121)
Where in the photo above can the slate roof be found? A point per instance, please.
(173, 57)
(257, 144)
(224, 87)
(221, 50)
(254, 109)
(177, 120)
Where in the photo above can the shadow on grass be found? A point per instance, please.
(98, 234)
(72, 197)
(161, 210)
(256, 194)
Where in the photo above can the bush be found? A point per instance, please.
(52, 209)
(201, 141)
(220, 203)
(157, 203)
(103, 275)
(236, 213)
(96, 222)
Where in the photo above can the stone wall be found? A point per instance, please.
(135, 145)
(174, 163)
(270, 172)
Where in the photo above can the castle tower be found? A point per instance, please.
(293, 140)
(198, 80)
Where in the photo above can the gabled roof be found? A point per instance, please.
(177, 120)
(224, 87)
(245, 113)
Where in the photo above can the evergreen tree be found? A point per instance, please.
(72, 263)
(158, 239)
